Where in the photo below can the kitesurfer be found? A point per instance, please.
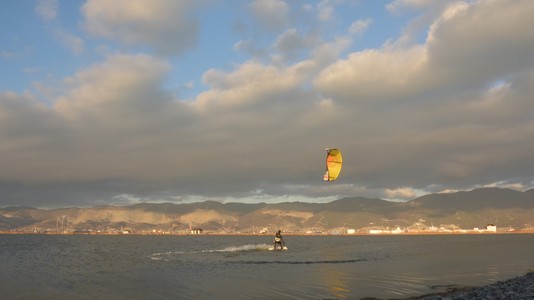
(278, 240)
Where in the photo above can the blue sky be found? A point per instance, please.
(129, 101)
(37, 46)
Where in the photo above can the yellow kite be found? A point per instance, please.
(333, 164)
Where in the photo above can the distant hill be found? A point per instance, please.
(477, 199)
(466, 209)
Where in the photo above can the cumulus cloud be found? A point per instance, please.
(290, 43)
(440, 97)
(452, 112)
(474, 40)
(167, 26)
(106, 124)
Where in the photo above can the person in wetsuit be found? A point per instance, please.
(278, 240)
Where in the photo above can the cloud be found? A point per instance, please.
(399, 6)
(371, 75)
(405, 193)
(74, 43)
(251, 48)
(272, 14)
(7, 54)
(47, 10)
(436, 103)
(463, 40)
(359, 27)
(326, 10)
(109, 122)
(451, 112)
(292, 45)
(167, 26)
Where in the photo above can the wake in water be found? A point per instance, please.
(235, 254)
(244, 248)
(296, 262)
(181, 255)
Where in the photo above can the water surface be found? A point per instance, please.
(240, 267)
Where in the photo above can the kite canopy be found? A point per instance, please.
(333, 164)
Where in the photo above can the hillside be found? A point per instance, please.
(503, 207)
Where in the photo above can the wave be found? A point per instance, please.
(230, 253)
(170, 255)
(165, 255)
(296, 262)
(260, 247)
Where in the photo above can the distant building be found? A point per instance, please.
(351, 231)
(491, 228)
(397, 231)
(196, 231)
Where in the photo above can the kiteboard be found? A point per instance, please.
(277, 249)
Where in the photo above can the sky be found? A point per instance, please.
(128, 101)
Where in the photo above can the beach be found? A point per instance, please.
(521, 287)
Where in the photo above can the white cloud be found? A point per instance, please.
(518, 186)
(290, 41)
(326, 10)
(120, 83)
(465, 41)
(74, 43)
(376, 74)
(440, 97)
(405, 193)
(272, 14)
(358, 28)
(168, 26)
(290, 44)
(451, 112)
(8, 54)
(47, 9)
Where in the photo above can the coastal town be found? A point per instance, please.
(417, 228)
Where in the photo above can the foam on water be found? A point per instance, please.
(295, 262)
(165, 255)
(173, 255)
(260, 247)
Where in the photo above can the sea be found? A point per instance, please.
(241, 267)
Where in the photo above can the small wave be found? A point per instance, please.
(171, 255)
(260, 247)
(164, 255)
(305, 262)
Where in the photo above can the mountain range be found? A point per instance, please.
(504, 208)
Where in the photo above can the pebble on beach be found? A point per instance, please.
(516, 288)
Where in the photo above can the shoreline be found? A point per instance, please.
(93, 233)
(520, 287)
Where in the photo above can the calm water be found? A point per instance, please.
(239, 267)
